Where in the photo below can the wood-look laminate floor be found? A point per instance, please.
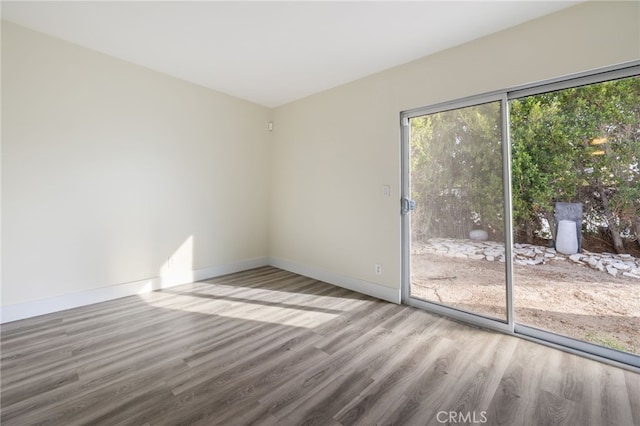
(273, 348)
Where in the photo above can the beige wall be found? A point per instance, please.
(333, 151)
(109, 168)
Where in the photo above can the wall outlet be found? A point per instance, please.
(386, 191)
(378, 269)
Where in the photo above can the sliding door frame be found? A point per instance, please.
(476, 319)
(600, 353)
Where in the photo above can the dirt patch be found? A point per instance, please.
(558, 296)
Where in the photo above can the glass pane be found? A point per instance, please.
(576, 208)
(457, 229)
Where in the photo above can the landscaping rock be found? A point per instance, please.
(621, 266)
(530, 255)
(575, 258)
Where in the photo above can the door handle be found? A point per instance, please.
(407, 205)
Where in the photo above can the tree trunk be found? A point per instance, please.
(618, 246)
(636, 227)
(529, 232)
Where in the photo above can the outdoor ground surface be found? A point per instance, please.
(559, 296)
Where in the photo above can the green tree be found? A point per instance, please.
(579, 145)
(576, 145)
(456, 163)
(542, 162)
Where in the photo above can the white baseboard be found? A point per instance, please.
(35, 308)
(371, 289)
(230, 268)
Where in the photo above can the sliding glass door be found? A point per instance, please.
(456, 232)
(522, 212)
(576, 209)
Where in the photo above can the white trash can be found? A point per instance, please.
(567, 237)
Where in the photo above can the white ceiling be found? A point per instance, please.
(267, 52)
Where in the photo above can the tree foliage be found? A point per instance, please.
(579, 145)
(456, 163)
(575, 145)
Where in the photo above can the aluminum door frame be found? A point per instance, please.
(610, 356)
(474, 319)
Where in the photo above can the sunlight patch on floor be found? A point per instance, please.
(257, 310)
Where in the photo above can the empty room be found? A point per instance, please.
(320, 213)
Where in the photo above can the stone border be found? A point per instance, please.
(529, 255)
